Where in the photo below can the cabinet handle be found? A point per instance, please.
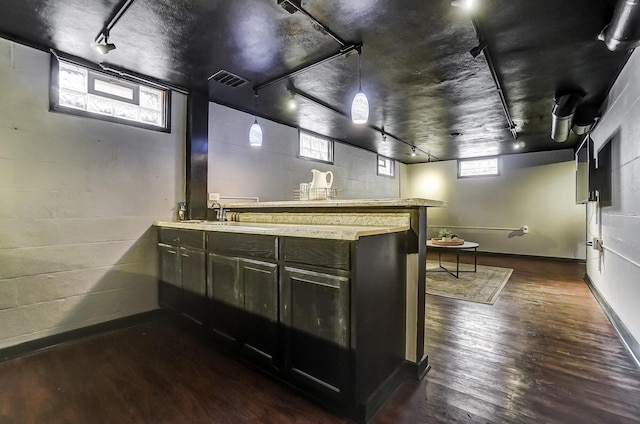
(172, 251)
(184, 255)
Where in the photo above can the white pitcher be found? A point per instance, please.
(320, 179)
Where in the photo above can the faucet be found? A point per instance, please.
(221, 213)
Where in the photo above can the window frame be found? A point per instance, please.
(92, 73)
(331, 143)
(392, 164)
(95, 76)
(498, 166)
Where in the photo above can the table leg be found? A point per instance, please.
(475, 260)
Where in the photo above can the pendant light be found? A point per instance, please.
(360, 104)
(255, 132)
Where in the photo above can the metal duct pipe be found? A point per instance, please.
(562, 115)
(623, 32)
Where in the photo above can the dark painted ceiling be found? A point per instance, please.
(423, 85)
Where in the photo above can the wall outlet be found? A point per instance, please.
(597, 244)
(214, 197)
(525, 229)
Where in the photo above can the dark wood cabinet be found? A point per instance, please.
(326, 316)
(316, 316)
(169, 286)
(243, 292)
(225, 296)
(194, 284)
(182, 277)
(260, 306)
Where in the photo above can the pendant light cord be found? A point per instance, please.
(360, 68)
(255, 106)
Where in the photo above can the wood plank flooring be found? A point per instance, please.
(543, 353)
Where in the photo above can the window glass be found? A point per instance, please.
(386, 166)
(82, 91)
(478, 167)
(315, 147)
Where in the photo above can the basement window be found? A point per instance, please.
(386, 167)
(478, 167)
(82, 91)
(314, 147)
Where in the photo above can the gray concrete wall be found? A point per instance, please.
(77, 200)
(616, 271)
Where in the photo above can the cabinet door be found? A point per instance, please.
(169, 277)
(260, 326)
(315, 312)
(225, 296)
(194, 284)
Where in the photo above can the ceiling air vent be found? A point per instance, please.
(227, 78)
(288, 5)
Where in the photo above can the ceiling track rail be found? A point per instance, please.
(325, 28)
(334, 109)
(343, 51)
(115, 17)
(496, 79)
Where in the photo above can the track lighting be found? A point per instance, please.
(413, 151)
(106, 46)
(475, 52)
(517, 145)
(463, 4)
(255, 132)
(360, 104)
(292, 104)
(384, 136)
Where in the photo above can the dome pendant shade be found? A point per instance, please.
(360, 108)
(255, 134)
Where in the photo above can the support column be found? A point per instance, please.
(197, 154)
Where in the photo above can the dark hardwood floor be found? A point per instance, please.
(543, 353)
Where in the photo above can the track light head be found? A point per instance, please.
(463, 4)
(106, 46)
(475, 52)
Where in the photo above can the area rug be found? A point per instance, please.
(482, 286)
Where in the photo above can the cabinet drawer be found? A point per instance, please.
(169, 236)
(325, 253)
(185, 238)
(192, 239)
(244, 245)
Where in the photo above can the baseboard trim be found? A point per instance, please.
(519, 255)
(32, 346)
(417, 370)
(632, 345)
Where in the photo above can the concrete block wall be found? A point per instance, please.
(273, 171)
(534, 189)
(616, 271)
(77, 200)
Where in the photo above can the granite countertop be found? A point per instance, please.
(341, 203)
(333, 232)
